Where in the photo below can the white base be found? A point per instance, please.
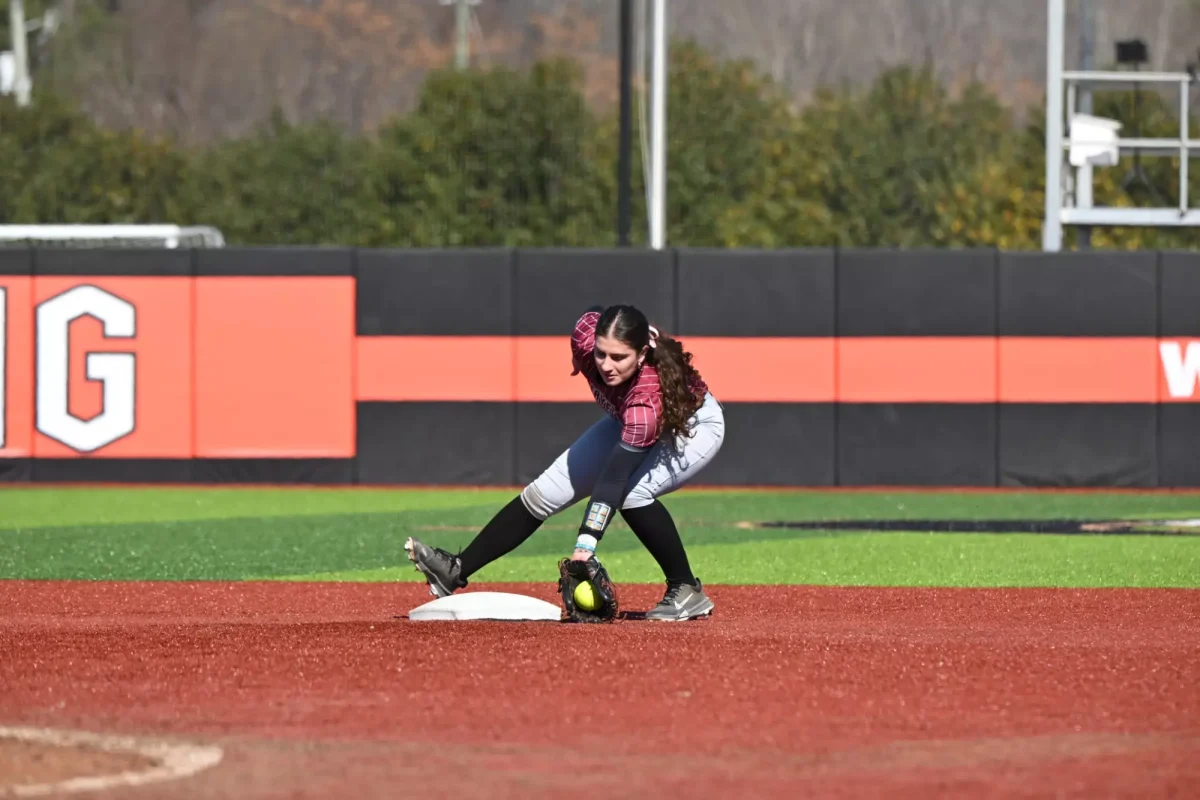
(487, 605)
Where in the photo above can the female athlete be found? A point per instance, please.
(662, 426)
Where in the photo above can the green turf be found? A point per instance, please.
(51, 507)
(329, 534)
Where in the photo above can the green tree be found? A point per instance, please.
(287, 184)
(900, 164)
(57, 166)
(493, 158)
(516, 158)
(723, 121)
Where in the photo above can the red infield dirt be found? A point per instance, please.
(317, 690)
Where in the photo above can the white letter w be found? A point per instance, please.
(1182, 372)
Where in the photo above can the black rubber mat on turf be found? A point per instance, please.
(1157, 527)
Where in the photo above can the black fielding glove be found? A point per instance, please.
(572, 573)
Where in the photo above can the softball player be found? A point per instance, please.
(661, 427)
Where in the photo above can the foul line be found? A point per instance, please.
(174, 760)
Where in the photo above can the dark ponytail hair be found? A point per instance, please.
(676, 374)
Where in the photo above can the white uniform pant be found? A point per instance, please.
(668, 465)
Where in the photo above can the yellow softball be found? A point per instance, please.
(585, 597)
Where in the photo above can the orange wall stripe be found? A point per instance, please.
(17, 339)
(765, 370)
(801, 370)
(274, 367)
(538, 369)
(543, 371)
(1078, 370)
(917, 370)
(761, 370)
(435, 368)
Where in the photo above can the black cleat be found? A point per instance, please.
(682, 601)
(442, 570)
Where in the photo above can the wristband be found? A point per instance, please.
(585, 542)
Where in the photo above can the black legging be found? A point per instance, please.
(513, 524)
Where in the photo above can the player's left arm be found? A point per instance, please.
(638, 435)
(607, 496)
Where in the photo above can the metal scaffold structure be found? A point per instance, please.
(1078, 142)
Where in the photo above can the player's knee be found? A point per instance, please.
(638, 497)
(541, 503)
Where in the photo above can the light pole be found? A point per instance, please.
(624, 167)
(1087, 47)
(462, 35)
(21, 82)
(658, 129)
(1052, 222)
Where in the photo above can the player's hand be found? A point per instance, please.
(581, 555)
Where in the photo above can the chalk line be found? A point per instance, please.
(174, 760)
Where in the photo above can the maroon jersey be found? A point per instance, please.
(637, 403)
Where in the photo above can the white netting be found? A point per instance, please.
(114, 236)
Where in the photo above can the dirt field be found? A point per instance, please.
(313, 690)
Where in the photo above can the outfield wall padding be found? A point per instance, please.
(777, 444)
(18, 261)
(835, 367)
(114, 263)
(1081, 445)
(555, 286)
(16, 470)
(1078, 294)
(275, 471)
(436, 443)
(545, 430)
(435, 293)
(916, 293)
(784, 293)
(319, 471)
(1179, 289)
(268, 262)
(112, 470)
(923, 444)
(1178, 444)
